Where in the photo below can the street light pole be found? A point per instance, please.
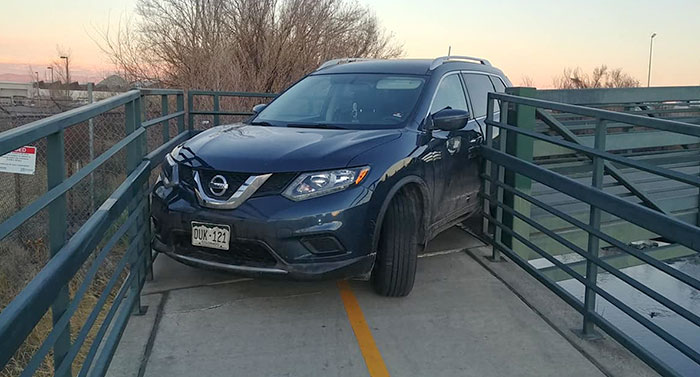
(51, 69)
(651, 48)
(67, 74)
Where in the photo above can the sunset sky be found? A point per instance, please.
(533, 38)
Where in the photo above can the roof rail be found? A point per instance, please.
(444, 59)
(340, 61)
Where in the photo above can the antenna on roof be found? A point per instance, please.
(449, 50)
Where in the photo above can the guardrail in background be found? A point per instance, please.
(121, 219)
(216, 112)
(514, 167)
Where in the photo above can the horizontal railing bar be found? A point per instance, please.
(666, 226)
(553, 286)
(118, 299)
(112, 341)
(657, 123)
(658, 331)
(641, 165)
(600, 262)
(9, 225)
(28, 133)
(160, 119)
(575, 303)
(157, 155)
(90, 321)
(59, 326)
(231, 113)
(22, 314)
(603, 96)
(681, 276)
(159, 92)
(231, 94)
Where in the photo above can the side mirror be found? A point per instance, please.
(259, 107)
(450, 119)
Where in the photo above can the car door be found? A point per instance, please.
(452, 156)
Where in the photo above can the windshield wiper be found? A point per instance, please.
(315, 125)
(262, 123)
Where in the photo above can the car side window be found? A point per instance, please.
(449, 94)
(478, 87)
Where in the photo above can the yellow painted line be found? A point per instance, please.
(370, 352)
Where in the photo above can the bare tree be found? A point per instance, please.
(261, 45)
(527, 81)
(601, 77)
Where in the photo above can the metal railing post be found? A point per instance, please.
(216, 110)
(486, 187)
(91, 132)
(593, 241)
(180, 99)
(501, 175)
(190, 109)
(134, 157)
(164, 112)
(56, 173)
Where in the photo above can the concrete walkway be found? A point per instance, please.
(460, 320)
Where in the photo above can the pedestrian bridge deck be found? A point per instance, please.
(460, 320)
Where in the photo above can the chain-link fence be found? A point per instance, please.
(24, 252)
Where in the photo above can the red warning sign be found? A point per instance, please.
(20, 161)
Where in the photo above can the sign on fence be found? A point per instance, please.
(21, 160)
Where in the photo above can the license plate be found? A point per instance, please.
(215, 236)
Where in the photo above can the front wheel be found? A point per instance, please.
(397, 253)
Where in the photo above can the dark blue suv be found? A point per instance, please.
(348, 173)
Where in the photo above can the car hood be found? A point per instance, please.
(262, 149)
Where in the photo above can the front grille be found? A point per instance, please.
(273, 186)
(240, 252)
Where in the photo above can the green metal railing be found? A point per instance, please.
(123, 216)
(194, 95)
(510, 173)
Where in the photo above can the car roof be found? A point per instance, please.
(403, 66)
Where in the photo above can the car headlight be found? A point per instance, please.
(169, 171)
(311, 185)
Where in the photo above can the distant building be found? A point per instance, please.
(16, 89)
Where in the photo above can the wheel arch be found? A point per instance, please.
(408, 181)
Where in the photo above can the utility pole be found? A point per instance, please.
(651, 48)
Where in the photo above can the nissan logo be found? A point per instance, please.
(218, 185)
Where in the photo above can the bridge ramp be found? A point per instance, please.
(460, 320)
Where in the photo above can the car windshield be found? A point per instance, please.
(354, 101)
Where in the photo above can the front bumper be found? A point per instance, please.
(321, 238)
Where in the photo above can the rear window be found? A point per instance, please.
(478, 87)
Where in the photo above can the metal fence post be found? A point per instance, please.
(56, 173)
(190, 109)
(180, 103)
(164, 112)
(486, 186)
(216, 110)
(593, 241)
(501, 174)
(134, 157)
(521, 147)
(91, 145)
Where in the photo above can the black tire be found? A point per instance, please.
(397, 253)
